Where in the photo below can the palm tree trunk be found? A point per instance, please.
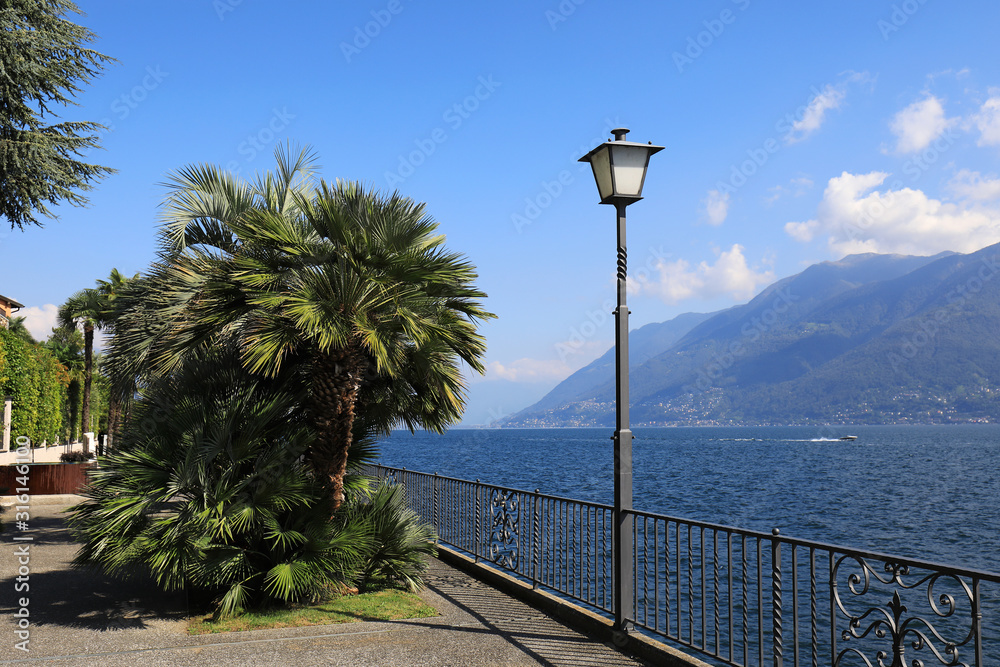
(336, 378)
(114, 412)
(88, 367)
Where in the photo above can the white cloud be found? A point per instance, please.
(968, 184)
(802, 183)
(716, 207)
(919, 124)
(988, 122)
(730, 275)
(859, 218)
(39, 320)
(949, 73)
(811, 117)
(796, 188)
(815, 113)
(581, 348)
(101, 339)
(530, 370)
(802, 231)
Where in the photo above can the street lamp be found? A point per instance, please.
(620, 171)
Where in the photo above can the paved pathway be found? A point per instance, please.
(85, 618)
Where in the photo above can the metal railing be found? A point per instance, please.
(740, 597)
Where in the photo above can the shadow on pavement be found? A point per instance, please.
(532, 632)
(59, 594)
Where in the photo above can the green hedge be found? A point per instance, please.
(37, 381)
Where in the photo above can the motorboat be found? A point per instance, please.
(848, 437)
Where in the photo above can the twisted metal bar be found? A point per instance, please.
(746, 595)
(666, 576)
(776, 638)
(795, 604)
(622, 263)
(813, 611)
(535, 539)
(715, 587)
(656, 575)
(680, 578)
(690, 560)
(645, 571)
(434, 503)
(704, 611)
(479, 520)
(729, 593)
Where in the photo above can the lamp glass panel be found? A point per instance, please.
(629, 164)
(600, 162)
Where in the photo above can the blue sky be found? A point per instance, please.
(794, 133)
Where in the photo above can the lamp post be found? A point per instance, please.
(620, 171)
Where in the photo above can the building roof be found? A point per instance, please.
(13, 302)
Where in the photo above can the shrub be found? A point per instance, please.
(400, 539)
(212, 493)
(37, 381)
(75, 457)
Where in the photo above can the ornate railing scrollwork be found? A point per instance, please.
(505, 515)
(900, 624)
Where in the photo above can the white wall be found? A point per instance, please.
(43, 454)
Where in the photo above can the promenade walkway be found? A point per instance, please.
(83, 618)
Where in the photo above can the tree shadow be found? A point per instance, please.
(86, 598)
(540, 637)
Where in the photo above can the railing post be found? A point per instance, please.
(977, 622)
(8, 402)
(833, 612)
(776, 639)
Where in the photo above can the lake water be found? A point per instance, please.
(925, 492)
(928, 492)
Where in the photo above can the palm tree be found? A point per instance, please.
(93, 308)
(16, 326)
(113, 293)
(112, 288)
(350, 286)
(86, 308)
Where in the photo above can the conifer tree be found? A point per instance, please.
(43, 61)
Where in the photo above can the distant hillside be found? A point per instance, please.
(868, 339)
(645, 343)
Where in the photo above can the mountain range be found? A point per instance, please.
(868, 339)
